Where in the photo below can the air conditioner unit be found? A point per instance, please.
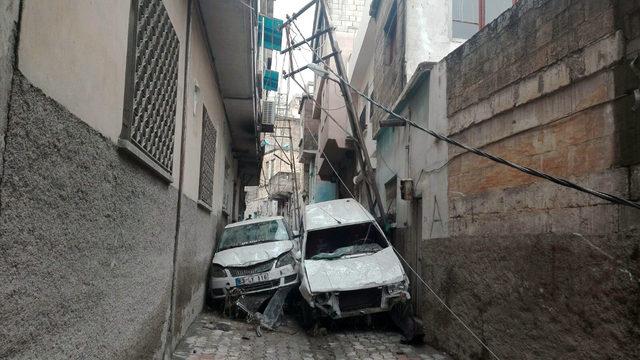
(268, 115)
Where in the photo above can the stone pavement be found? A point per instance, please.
(212, 337)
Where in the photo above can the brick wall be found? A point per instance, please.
(545, 85)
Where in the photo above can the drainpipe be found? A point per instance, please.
(169, 338)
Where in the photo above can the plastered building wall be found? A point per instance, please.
(81, 220)
(428, 32)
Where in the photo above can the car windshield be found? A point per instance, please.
(337, 242)
(254, 233)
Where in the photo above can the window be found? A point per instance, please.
(466, 18)
(151, 87)
(390, 34)
(493, 9)
(207, 160)
(469, 16)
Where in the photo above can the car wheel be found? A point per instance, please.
(307, 314)
(213, 304)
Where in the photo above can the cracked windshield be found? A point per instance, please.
(251, 234)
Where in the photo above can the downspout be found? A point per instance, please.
(169, 338)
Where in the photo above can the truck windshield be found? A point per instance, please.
(250, 234)
(337, 242)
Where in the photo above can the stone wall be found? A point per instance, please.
(628, 20)
(545, 85)
(551, 101)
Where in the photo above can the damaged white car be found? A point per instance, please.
(257, 255)
(348, 267)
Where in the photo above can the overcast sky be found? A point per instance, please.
(302, 56)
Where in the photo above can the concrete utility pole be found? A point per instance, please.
(362, 156)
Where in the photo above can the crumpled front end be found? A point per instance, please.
(342, 304)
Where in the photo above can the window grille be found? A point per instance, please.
(207, 159)
(151, 86)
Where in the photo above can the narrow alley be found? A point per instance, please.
(320, 179)
(214, 337)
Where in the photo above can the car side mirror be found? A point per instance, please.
(297, 255)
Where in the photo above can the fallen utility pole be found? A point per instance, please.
(293, 72)
(298, 13)
(362, 155)
(300, 43)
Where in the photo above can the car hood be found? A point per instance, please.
(252, 254)
(381, 268)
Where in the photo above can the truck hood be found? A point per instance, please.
(381, 268)
(252, 254)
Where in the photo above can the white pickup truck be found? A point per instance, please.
(348, 267)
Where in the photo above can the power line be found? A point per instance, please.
(335, 121)
(560, 181)
(329, 162)
(397, 252)
(445, 305)
(314, 138)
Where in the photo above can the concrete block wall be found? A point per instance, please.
(346, 14)
(545, 85)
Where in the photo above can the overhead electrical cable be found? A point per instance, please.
(394, 249)
(527, 170)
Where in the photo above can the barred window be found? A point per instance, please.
(151, 87)
(207, 159)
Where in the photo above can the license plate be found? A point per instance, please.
(252, 279)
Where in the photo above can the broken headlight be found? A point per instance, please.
(217, 271)
(397, 287)
(286, 259)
